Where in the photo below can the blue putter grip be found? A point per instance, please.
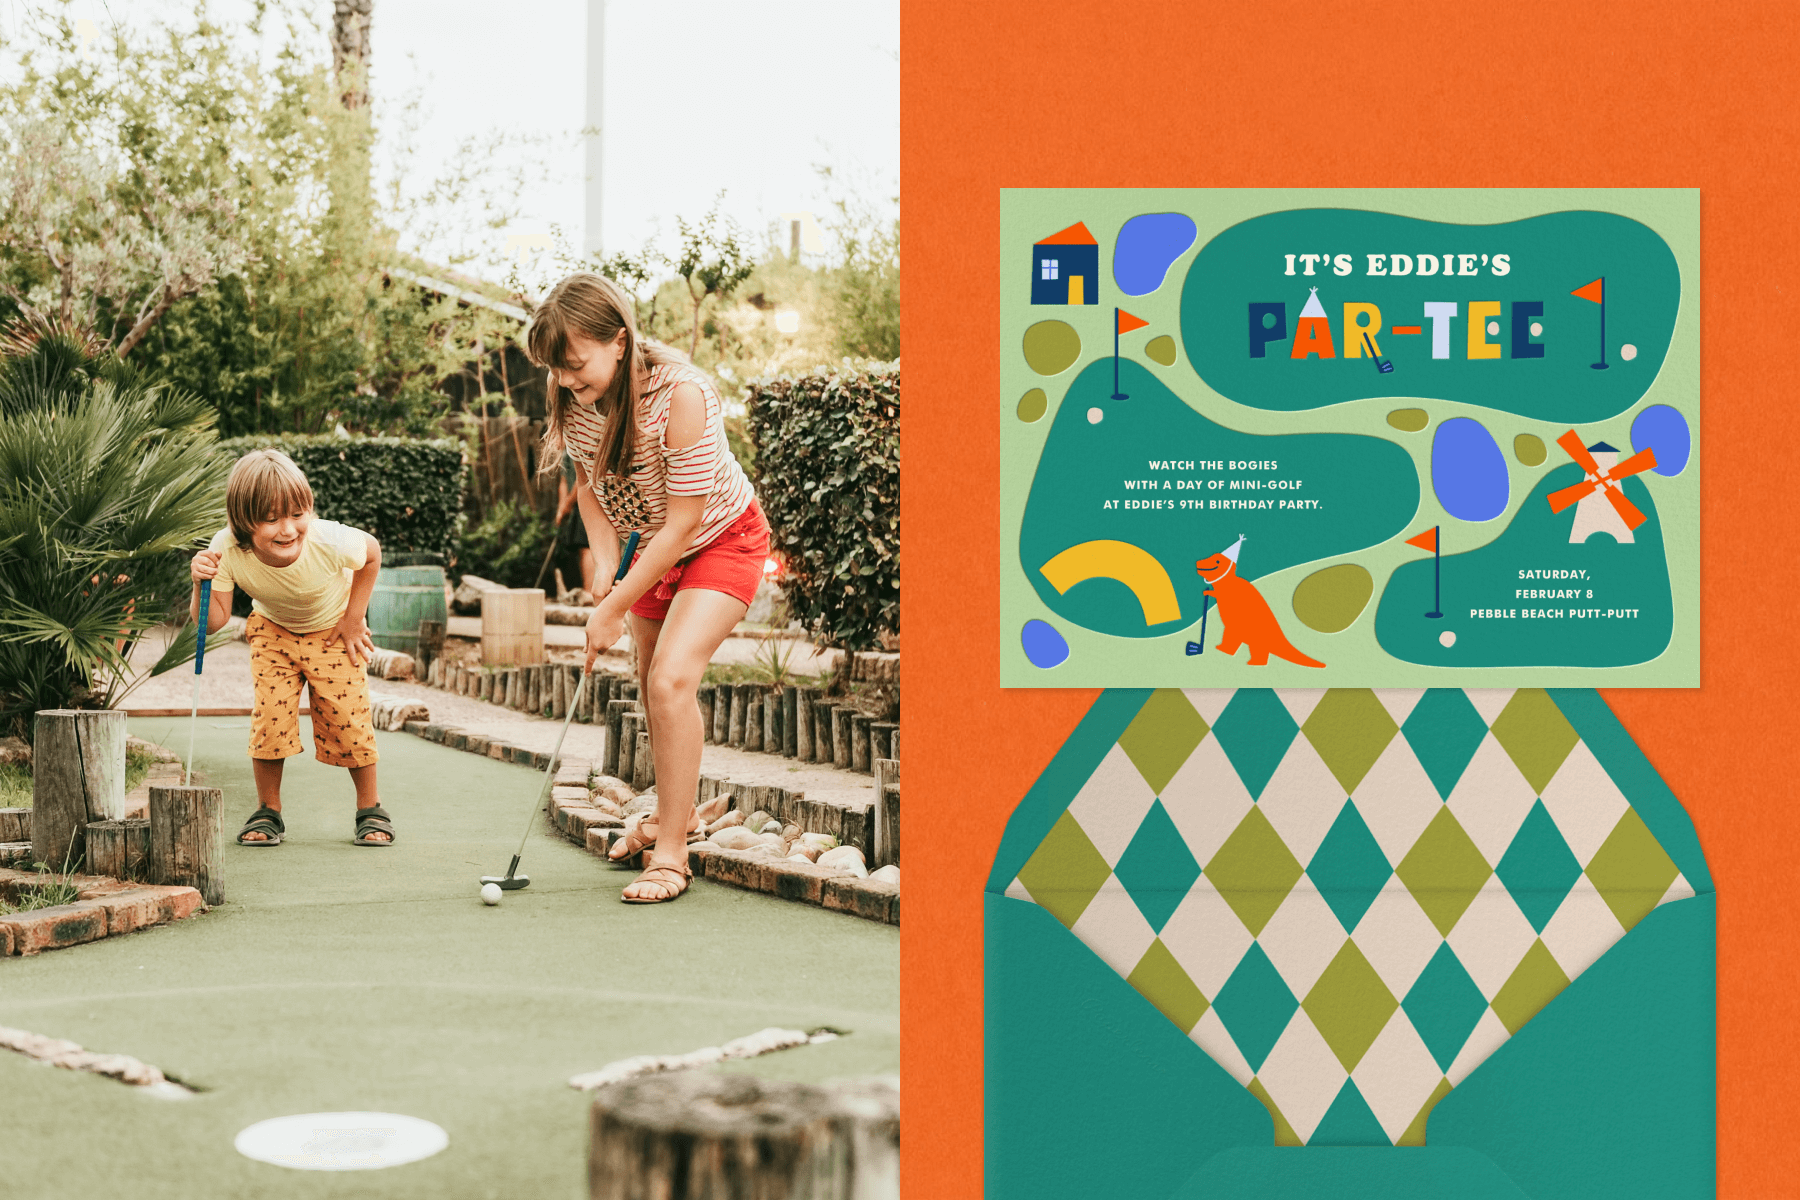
(205, 620)
(631, 544)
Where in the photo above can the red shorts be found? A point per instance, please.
(731, 563)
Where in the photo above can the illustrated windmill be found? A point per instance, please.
(1600, 505)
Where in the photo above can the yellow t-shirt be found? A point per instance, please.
(306, 596)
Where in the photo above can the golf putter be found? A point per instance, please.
(512, 881)
(205, 615)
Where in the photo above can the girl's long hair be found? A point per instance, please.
(597, 308)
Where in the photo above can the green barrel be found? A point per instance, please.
(403, 597)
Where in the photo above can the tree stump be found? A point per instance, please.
(754, 719)
(859, 741)
(881, 740)
(15, 824)
(120, 849)
(885, 836)
(803, 723)
(78, 776)
(822, 724)
(643, 763)
(187, 836)
(721, 727)
(841, 719)
(774, 728)
(431, 642)
(629, 724)
(695, 1135)
(739, 698)
(615, 719)
(705, 697)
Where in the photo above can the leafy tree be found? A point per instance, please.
(312, 323)
(864, 282)
(711, 261)
(109, 246)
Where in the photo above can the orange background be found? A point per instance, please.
(1361, 94)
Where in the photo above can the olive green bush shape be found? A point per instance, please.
(407, 492)
(828, 476)
(107, 483)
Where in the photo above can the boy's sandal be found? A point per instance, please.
(373, 820)
(670, 880)
(265, 821)
(638, 838)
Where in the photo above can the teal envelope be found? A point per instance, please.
(1091, 1091)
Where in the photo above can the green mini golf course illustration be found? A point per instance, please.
(1330, 376)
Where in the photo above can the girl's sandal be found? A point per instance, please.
(670, 880)
(638, 838)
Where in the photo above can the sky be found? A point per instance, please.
(744, 96)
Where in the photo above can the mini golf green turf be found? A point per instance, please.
(339, 978)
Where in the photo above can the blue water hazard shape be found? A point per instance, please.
(1043, 645)
(1468, 472)
(1664, 430)
(1147, 247)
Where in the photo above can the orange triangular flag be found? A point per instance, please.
(1594, 291)
(1426, 540)
(1127, 322)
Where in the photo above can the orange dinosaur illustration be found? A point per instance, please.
(1248, 619)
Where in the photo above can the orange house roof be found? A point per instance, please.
(1075, 235)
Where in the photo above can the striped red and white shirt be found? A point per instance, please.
(707, 468)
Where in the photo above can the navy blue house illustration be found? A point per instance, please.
(1065, 268)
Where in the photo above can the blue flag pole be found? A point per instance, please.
(1117, 394)
(1602, 365)
(1437, 578)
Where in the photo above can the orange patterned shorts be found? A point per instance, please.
(280, 662)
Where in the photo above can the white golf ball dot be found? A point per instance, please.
(1628, 352)
(490, 893)
(1095, 416)
(1445, 639)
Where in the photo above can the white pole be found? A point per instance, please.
(594, 128)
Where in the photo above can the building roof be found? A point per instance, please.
(466, 295)
(1075, 235)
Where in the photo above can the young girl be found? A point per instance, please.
(647, 432)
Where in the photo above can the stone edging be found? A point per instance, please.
(574, 813)
(105, 908)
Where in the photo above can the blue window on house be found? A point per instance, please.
(1049, 267)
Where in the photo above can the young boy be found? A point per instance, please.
(311, 580)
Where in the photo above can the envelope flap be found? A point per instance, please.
(1051, 794)
(1610, 1091)
(1622, 760)
(1089, 1090)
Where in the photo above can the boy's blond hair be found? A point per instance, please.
(263, 482)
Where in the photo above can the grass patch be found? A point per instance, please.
(47, 891)
(15, 786)
(756, 673)
(15, 778)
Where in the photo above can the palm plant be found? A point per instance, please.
(106, 481)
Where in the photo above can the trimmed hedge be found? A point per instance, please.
(406, 491)
(828, 476)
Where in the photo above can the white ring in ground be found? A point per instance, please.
(341, 1141)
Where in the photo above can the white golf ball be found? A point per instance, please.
(490, 893)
